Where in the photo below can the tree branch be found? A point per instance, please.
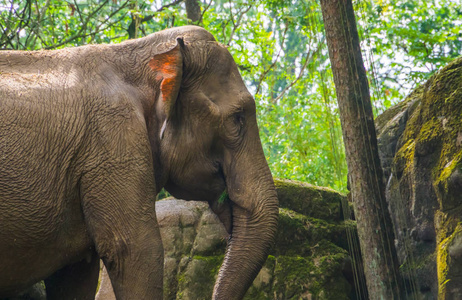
(82, 29)
(23, 22)
(137, 21)
(238, 22)
(263, 75)
(307, 59)
(98, 28)
(203, 13)
(150, 17)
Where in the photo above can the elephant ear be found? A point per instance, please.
(168, 67)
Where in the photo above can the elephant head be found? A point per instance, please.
(203, 130)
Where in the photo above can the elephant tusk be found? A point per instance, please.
(163, 129)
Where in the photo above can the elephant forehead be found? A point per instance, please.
(229, 91)
(190, 33)
(207, 58)
(222, 62)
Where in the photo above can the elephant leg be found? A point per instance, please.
(133, 256)
(118, 202)
(77, 281)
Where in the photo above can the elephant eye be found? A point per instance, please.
(239, 120)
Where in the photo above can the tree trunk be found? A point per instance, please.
(193, 10)
(365, 173)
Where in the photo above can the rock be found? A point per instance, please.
(420, 147)
(309, 200)
(308, 261)
(105, 291)
(450, 264)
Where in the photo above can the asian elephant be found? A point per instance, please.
(88, 137)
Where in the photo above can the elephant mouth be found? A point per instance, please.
(220, 195)
(223, 208)
(215, 192)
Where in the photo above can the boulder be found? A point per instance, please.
(420, 149)
(309, 259)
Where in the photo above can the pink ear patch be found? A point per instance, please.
(168, 67)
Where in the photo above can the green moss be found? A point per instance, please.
(214, 262)
(293, 235)
(428, 139)
(404, 158)
(309, 200)
(444, 102)
(256, 294)
(293, 276)
(307, 277)
(447, 170)
(430, 131)
(301, 235)
(442, 266)
(326, 247)
(198, 277)
(262, 288)
(443, 261)
(442, 88)
(309, 258)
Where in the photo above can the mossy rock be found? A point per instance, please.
(301, 235)
(297, 277)
(197, 277)
(307, 262)
(309, 200)
(420, 144)
(450, 265)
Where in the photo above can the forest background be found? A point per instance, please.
(281, 52)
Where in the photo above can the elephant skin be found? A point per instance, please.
(89, 136)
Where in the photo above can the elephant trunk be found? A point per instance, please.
(255, 214)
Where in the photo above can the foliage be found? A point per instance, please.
(280, 50)
(408, 41)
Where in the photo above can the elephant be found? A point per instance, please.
(89, 135)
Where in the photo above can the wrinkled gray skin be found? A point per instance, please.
(89, 135)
